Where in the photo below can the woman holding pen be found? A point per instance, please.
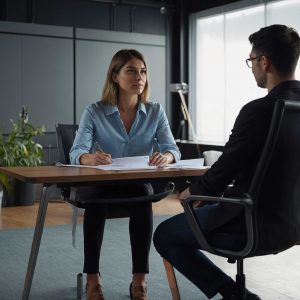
(123, 123)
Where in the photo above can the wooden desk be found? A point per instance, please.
(49, 175)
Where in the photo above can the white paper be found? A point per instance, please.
(141, 163)
(127, 163)
(196, 163)
(122, 163)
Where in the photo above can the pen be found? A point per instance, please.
(99, 148)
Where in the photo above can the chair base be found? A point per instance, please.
(79, 286)
(240, 281)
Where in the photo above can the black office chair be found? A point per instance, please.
(276, 182)
(65, 134)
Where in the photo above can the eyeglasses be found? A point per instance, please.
(249, 61)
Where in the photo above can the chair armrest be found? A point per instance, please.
(247, 204)
(145, 198)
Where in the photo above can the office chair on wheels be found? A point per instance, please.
(276, 182)
(65, 134)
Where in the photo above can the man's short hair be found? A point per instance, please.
(281, 44)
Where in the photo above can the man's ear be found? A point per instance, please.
(266, 62)
(115, 77)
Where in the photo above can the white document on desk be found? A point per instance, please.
(128, 163)
(195, 163)
(121, 163)
(142, 163)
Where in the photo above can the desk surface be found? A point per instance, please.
(49, 175)
(52, 174)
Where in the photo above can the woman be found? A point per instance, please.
(124, 123)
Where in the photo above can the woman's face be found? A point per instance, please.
(132, 77)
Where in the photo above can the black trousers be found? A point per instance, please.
(174, 240)
(140, 224)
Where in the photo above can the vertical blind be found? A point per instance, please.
(220, 81)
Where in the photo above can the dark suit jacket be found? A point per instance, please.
(241, 154)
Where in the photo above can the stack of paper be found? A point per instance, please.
(127, 163)
(142, 162)
(196, 163)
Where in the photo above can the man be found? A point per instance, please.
(273, 59)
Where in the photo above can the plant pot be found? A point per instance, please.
(22, 194)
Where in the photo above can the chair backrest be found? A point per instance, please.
(65, 134)
(275, 189)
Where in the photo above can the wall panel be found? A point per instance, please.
(36, 71)
(10, 80)
(47, 74)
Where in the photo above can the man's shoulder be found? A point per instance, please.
(258, 104)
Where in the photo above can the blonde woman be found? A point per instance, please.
(124, 123)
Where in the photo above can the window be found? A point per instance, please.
(220, 82)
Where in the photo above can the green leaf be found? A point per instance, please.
(19, 147)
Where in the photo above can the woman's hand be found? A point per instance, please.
(94, 159)
(161, 159)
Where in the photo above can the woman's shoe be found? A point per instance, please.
(138, 292)
(94, 293)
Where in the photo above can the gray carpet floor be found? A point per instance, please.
(272, 277)
(58, 263)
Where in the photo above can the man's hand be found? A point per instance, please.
(94, 159)
(185, 194)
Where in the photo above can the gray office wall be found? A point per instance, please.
(136, 16)
(47, 72)
(37, 69)
(10, 79)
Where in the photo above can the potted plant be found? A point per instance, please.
(19, 149)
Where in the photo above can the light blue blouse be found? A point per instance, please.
(101, 123)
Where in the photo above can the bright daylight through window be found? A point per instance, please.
(220, 81)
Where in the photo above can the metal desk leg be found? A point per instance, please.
(38, 231)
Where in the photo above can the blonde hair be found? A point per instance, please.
(110, 90)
